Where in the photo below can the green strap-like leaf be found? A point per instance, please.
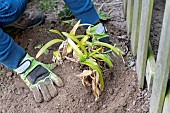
(77, 50)
(116, 50)
(94, 52)
(105, 58)
(92, 64)
(73, 38)
(57, 55)
(69, 49)
(50, 43)
(57, 32)
(86, 37)
(88, 31)
(103, 15)
(89, 43)
(73, 31)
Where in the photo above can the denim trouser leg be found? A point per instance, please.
(10, 10)
(83, 10)
(10, 52)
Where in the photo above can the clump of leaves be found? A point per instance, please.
(47, 4)
(103, 15)
(89, 53)
(65, 13)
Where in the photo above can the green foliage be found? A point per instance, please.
(103, 15)
(93, 64)
(47, 4)
(86, 52)
(65, 13)
(44, 48)
(40, 46)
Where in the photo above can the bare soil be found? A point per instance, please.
(156, 25)
(121, 94)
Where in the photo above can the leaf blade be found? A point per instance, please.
(114, 49)
(57, 32)
(104, 58)
(92, 64)
(47, 45)
(76, 49)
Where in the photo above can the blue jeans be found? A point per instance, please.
(10, 10)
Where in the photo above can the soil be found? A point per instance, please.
(156, 25)
(121, 94)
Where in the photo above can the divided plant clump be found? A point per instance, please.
(90, 54)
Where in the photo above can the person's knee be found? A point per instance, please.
(10, 11)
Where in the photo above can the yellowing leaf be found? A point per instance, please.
(92, 64)
(105, 58)
(69, 49)
(64, 52)
(57, 55)
(57, 32)
(77, 50)
(85, 73)
(88, 31)
(97, 78)
(75, 56)
(95, 51)
(84, 39)
(73, 31)
(85, 81)
(73, 39)
(116, 50)
(95, 82)
(50, 43)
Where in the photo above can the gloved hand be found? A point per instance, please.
(39, 79)
(99, 33)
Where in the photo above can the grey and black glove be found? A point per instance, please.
(40, 80)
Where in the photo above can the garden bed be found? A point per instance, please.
(121, 93)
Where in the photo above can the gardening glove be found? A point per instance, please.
(38, 78)
(99, 33)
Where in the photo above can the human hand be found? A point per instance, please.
(40, 80)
